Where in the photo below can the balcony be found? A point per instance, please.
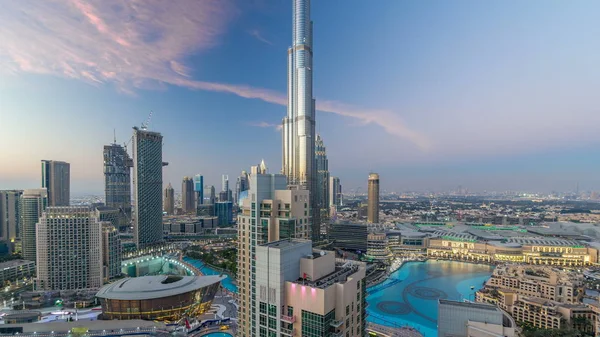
(336, 323)
(288, 319)
(337, 334)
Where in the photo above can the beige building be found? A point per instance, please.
(377, 247)
(535, 251)
(538, 281)
(307, 293)
(169, 200)
(270, 212)
(69, 249)
(187, 196)
(373, 203)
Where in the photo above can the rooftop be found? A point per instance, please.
(150, 287)
(14, 263)
(340, 275)
(480, 306)
(283, 244)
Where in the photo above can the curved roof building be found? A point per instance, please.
(163, 297)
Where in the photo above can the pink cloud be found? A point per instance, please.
(140, 44)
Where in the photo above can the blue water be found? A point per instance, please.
(411, 299)
(217, 334)
(206, 270)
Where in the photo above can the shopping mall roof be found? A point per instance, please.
(150, 287)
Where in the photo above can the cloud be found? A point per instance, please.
(256, 33)
(266, 125)
(140, 44)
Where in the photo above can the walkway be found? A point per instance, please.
(393, 332)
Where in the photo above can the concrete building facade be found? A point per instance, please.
(169, 200)
(69, 249)
(33, 203)
(10, 215)
(187, 196)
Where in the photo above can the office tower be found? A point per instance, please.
(33, 203)
(322, 175)
(10, 217)
(241, 185)
(69, 249)
(147, 187)
(187, 196)
(373, 207)
(205, 210)
(269, 212)
(199, 189)
(306, 292)
(56, 179)
(335, 191)
(298, 132)
(170, 200)
(209, 194)
(473, 319)
(117, 179)
(224, 212)
(111, 251)
(224, 182)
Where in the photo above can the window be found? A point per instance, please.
(272, 310)
(347, 310)
(272, 323)
(263, 320)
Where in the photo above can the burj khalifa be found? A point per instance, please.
(298, 132)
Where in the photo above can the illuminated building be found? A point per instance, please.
(162, 298)
(373, 202)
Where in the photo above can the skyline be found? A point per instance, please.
(509, 105)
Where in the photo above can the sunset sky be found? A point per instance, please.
(490, 95)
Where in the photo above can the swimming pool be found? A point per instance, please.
(409, 296)
(206, 270)
(217, 334)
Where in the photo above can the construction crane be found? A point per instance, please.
(147, 122)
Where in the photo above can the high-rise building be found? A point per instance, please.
(170, 200)
(117, 178)
(322, 176)
(335, 192)
(10, 217)
(33, 203)
(224, 212)
(306, 292)
(111, 251)
(224, 182)
(147, 187)
(298, 132)
(269, 212)
(187, 195)
(209, 194)
(198, 189)
(69, 249)
(56, 179)
(241, 185)
(373, 208)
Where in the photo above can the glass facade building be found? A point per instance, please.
(56, 179)
(322, 176)
(147, 182)
(33, 203)
(298, 127)
(117, 178)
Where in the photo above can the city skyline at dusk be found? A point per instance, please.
(490, 96)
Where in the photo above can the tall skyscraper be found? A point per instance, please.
(10, 215)
(117, 178)
(298, 132)
(225, 183)
(111, 251)
(187, 196)
(56, 179)
(209, 194)
(241, 185)
(322, 175)
(335, 191)
(224, 212)
(69, 249)
(373, 206)
(199, 189)
(33, 203)
(269, 212)
(147, 187)
(306, 292)
(170, 200)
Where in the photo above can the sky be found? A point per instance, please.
(488, 95)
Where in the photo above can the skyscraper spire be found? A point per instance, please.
(298, 143)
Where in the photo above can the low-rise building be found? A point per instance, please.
(16, 270)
